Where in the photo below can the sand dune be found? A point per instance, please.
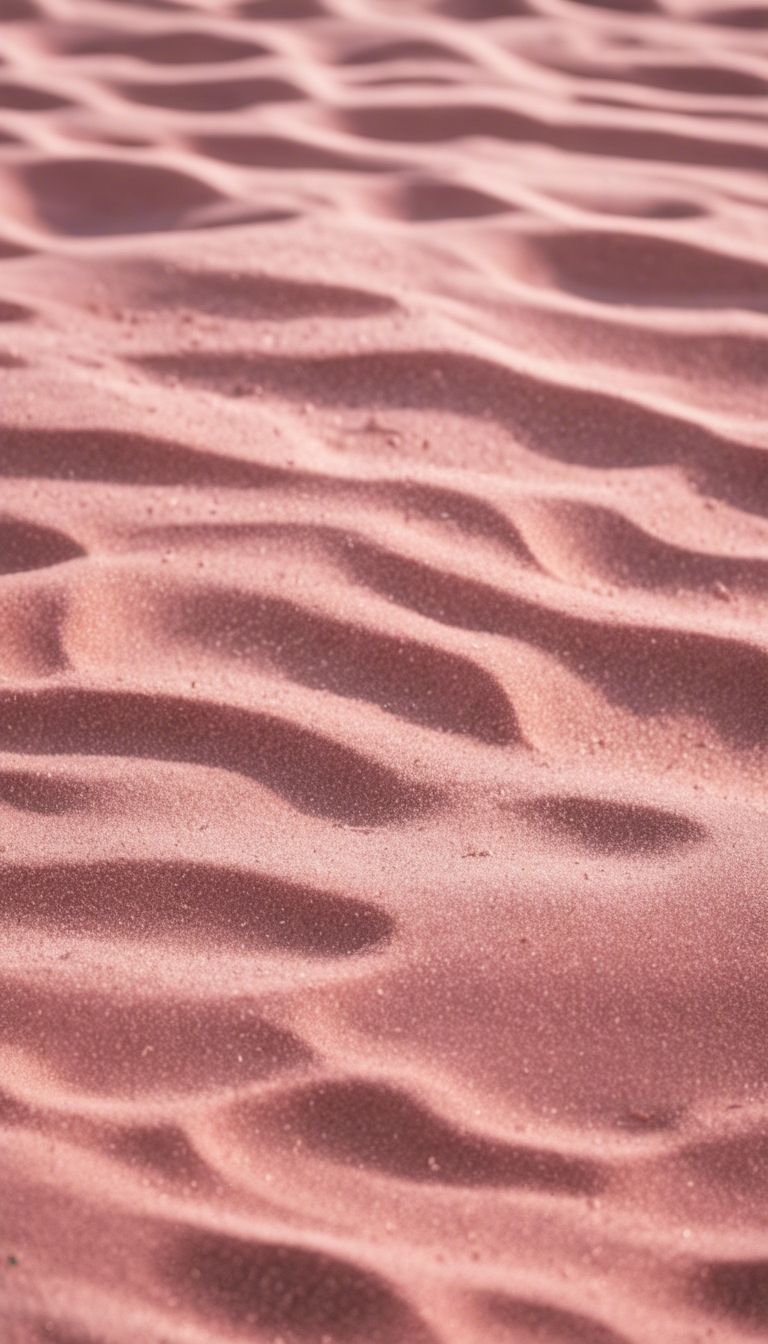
(383, 671)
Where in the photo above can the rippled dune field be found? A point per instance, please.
(383, 671)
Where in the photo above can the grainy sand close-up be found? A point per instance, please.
(383, 671)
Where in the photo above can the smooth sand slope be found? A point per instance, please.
(383, 671)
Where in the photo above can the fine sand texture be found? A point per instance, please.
(383, 671)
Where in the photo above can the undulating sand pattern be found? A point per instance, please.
(383, 671)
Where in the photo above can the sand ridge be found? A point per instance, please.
(383, 671)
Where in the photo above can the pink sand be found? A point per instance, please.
(383, 672)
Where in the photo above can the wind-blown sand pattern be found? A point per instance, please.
(383, 671)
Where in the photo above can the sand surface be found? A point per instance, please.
(383, 671)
